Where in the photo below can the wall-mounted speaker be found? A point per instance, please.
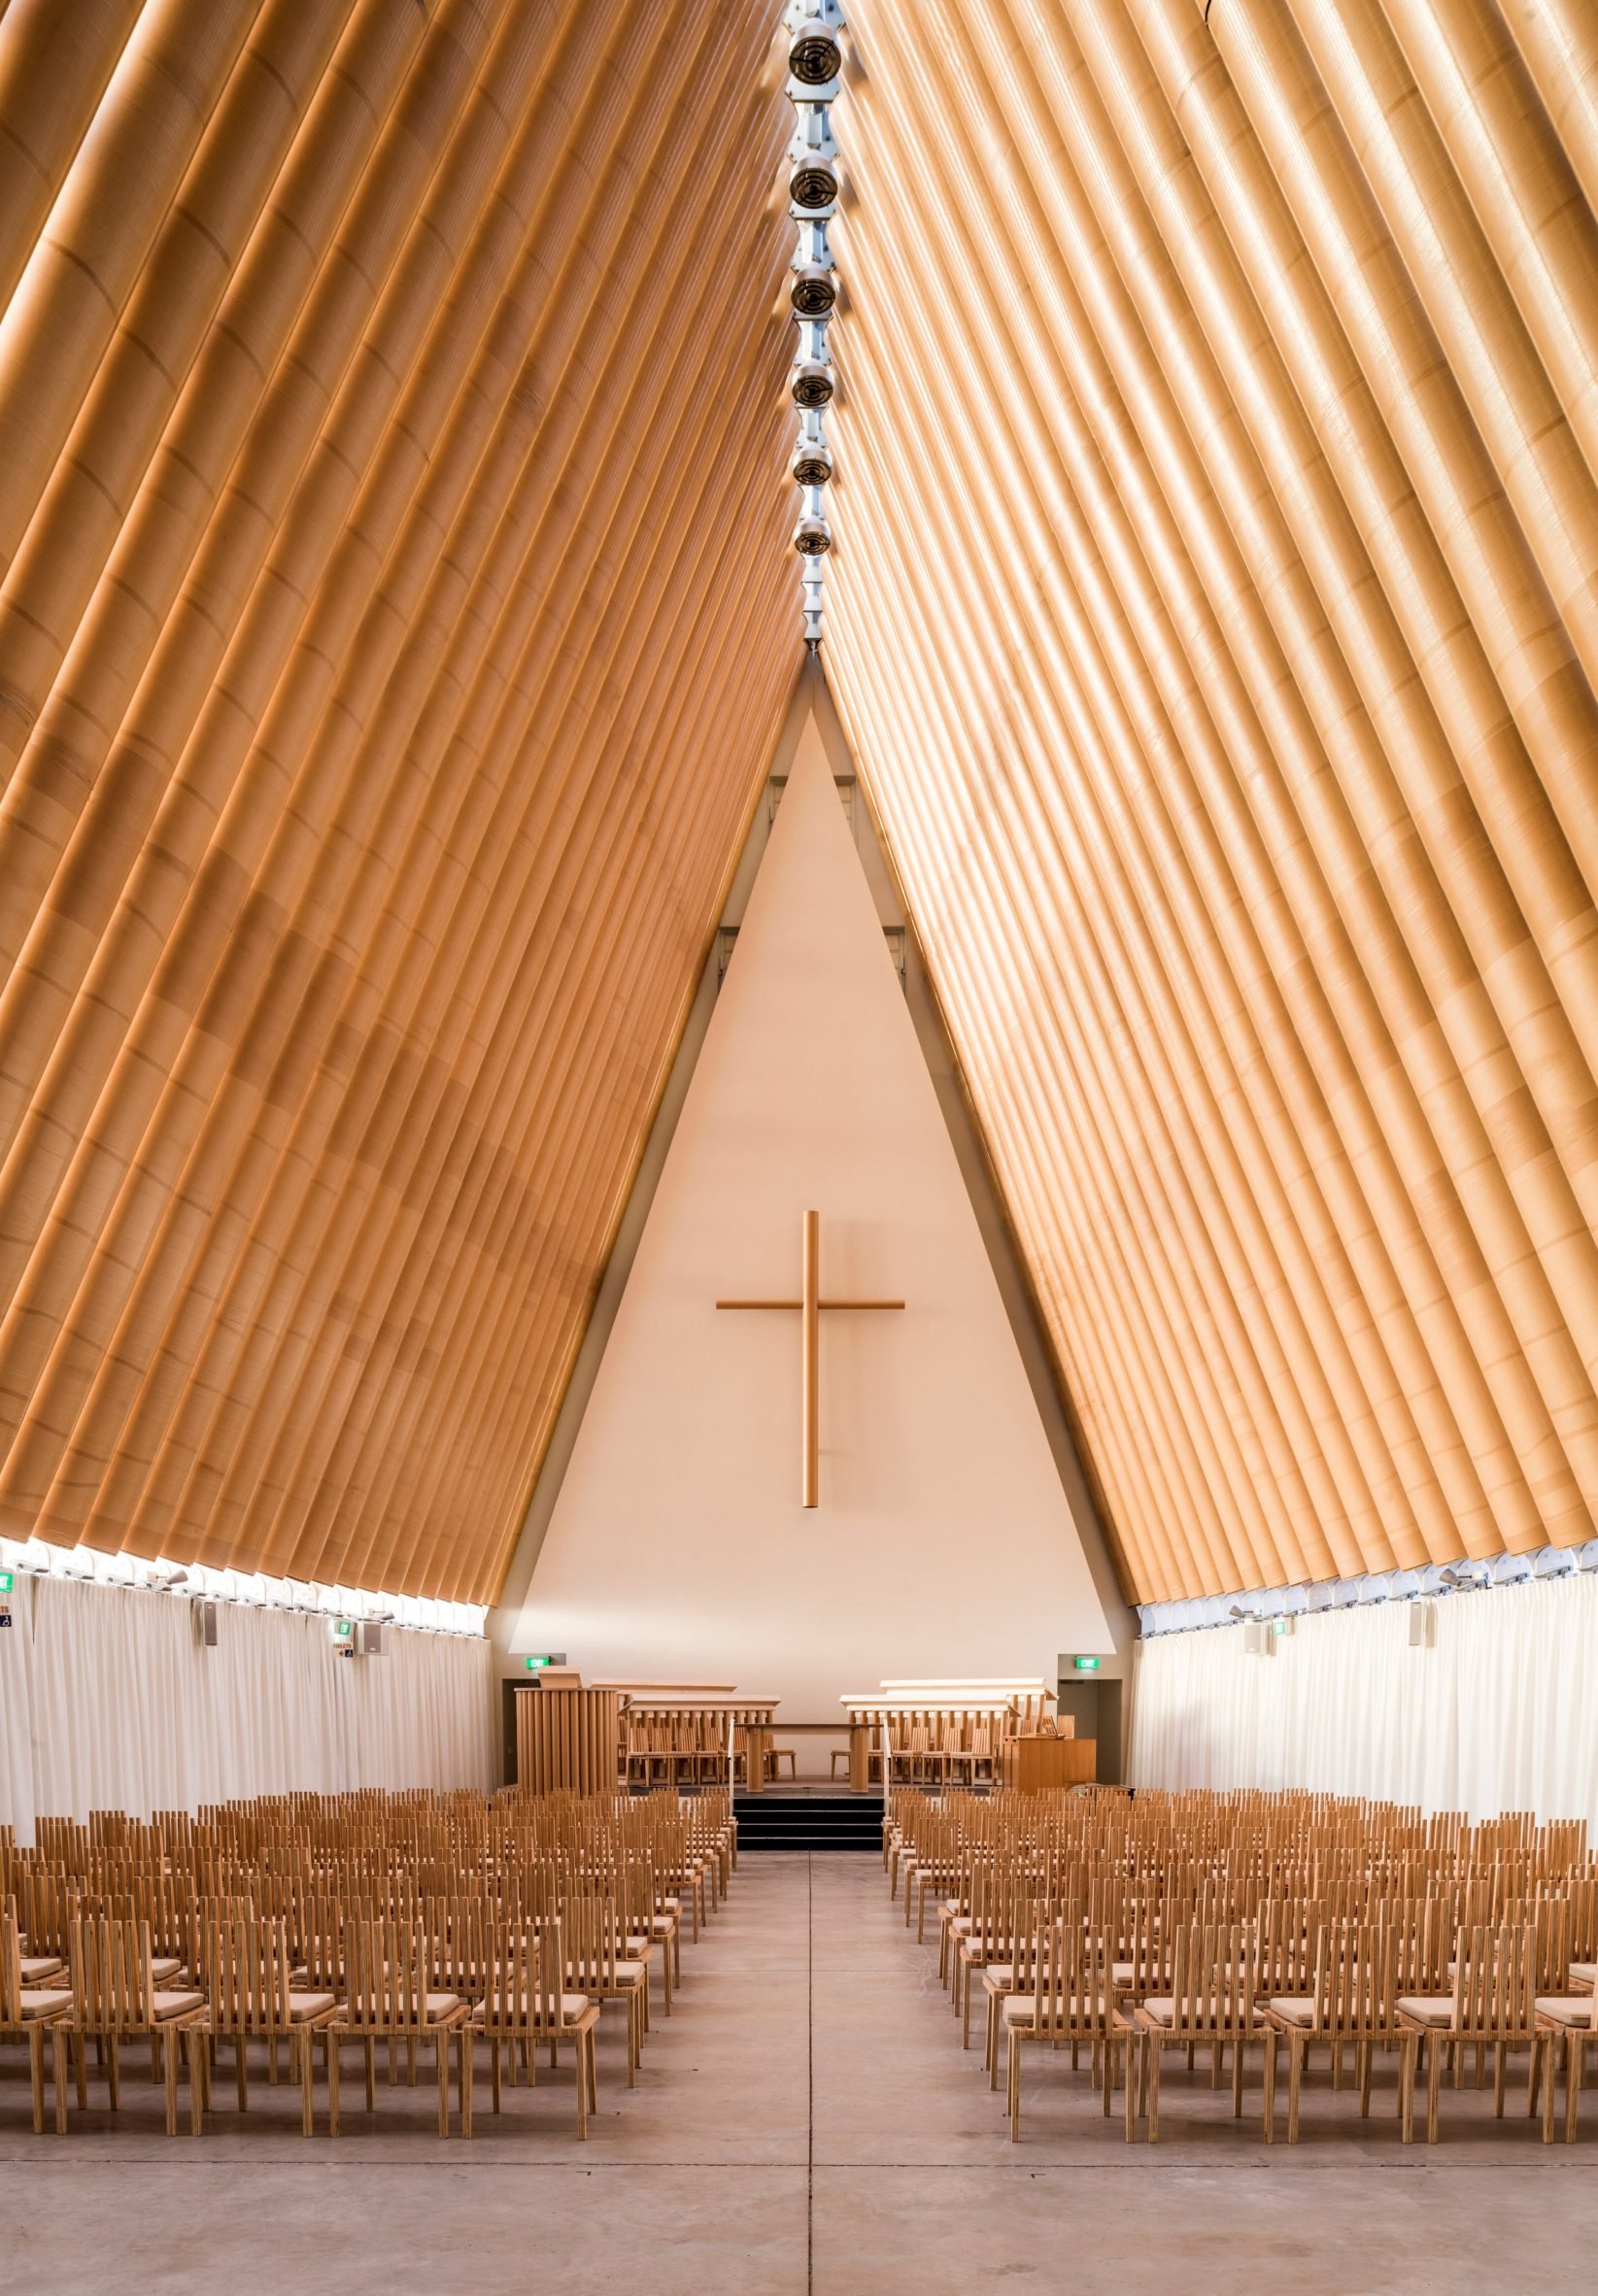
(207, 1617)
(1422, 1625)
(369, 1641)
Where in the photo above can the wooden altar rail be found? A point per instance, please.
(953, 1738)
(683, 1740)
(566, 1739)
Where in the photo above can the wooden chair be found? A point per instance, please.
(597, 1965)
(248, 1965)
(114, 1998)
(1350, 2001)
(28, 2012)
(1069, 2003)
(1212, 1999)
(388, 1998)
(527, 2003)
(1493, 2004)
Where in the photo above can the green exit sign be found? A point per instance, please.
(533, 1664)
(6, 1582)
(343, 1630)
(1087, 1665)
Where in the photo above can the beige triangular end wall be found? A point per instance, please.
(944, 1544)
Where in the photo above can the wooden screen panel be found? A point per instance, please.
(566, 1739)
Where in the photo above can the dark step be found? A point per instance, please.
(851, 1823)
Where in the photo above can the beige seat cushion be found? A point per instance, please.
(1294, 2008)
(1020, 2008)
(304, 2005)
(1583, 1974)
(1427, 2009)
(439, 2005)
(1160, 2009)
(163, 1968)
(572, 2006)
(37, 2003)
(37, 1967)
(1560, 2009)
(999, 1976)
(176, 2005)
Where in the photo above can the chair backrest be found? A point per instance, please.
(588, 1929)
(246, 1965)
(1355, 1985)
(1213, 1978)
(1495, 1980)
(112, 1988)
(1069, 1981)
(385, 1977)
(522, 1992)
(10, 1972)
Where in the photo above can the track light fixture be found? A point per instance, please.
(815, 61)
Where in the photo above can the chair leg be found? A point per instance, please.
(1013, 2085)
(1152, 2054)
(332, 2085)
(196, 2041)
(1268, 2090)
(1576, 2059)
(114, 2070)
(1434, 2082)
(36, 2074)
(59, 2040)
(468, 2076)
(442, 2055)
(1133, 2075)
(1296, 2047)
(307, 2093)
(169, 2066)
(1408, 2051)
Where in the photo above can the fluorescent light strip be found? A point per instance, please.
(251, 1590)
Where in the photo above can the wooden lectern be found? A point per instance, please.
(1030, 1763)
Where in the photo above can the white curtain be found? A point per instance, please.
(1501, 1713)
(109, 1702)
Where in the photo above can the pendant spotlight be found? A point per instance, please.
(812, 463)
(815, 56)
(812, 382)
(815, 63)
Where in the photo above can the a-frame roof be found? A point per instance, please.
(396, 612)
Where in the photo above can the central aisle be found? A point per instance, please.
(805, 2125)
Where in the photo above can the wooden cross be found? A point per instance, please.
(809, 1307)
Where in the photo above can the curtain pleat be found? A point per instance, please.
(108, 1701)
(1501, 1712)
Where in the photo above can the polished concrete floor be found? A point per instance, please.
(806, 2122)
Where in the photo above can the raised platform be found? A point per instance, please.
(808, 1818)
